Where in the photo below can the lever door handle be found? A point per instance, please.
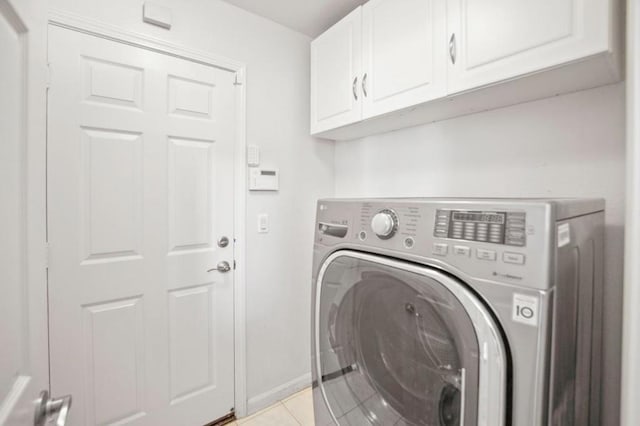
(48, 408)
(221, 267)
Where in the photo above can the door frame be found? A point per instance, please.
(109, 32)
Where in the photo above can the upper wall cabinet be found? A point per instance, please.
(399, 63)
(336, 69)
(400, 45)
(494, 40)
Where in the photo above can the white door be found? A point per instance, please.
(140, 189)
(23, 321)
(494, 40)
(404, 54)
(336, 64)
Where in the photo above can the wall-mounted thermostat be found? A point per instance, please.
(261, 179)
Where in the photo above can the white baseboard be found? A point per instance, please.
(278, 393)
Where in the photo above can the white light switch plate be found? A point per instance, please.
(263, 223)
(253, 155)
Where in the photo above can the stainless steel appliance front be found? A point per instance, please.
(415, 326)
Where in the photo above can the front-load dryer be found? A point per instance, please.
(457, 312)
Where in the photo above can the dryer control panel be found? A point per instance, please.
(497, 227)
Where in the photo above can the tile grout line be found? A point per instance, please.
(290, 413)
(260, 413)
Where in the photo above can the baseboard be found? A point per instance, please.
(278, 393)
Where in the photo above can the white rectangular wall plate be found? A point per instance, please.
(262, 179)
(253, 155)
(156, 15)
(263, 223)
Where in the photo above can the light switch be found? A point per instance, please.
(253, 156)
(263, 223)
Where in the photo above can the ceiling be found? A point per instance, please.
(310, 17)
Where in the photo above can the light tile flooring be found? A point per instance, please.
(296, 410)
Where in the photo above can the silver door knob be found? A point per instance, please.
(222, 267)
(49, 408)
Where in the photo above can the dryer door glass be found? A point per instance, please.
(394, 347)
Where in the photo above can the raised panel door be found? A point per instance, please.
(495, 40)
(139, 168)
(404, 54)
(336, 64)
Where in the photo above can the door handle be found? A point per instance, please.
(452, 48)
(48, 408)
(364, 85)
(221, 267)
(355, 88)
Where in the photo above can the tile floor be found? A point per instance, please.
(296, 410)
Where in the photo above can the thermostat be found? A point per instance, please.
(263, 179)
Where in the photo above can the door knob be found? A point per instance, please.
(222, 267)
(49, 408)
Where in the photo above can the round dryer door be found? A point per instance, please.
(399, 344)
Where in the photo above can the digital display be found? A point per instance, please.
(267, 172)
(479, 217)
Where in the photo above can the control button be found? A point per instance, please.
(516, 258)
(440, 249)
(362, 235)
(462, 251)
(486, 254)
(409, 242)
(469, 230)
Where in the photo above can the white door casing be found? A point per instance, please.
(403, 54)
(140, 160)
(495, 40)
(336, 72)
(23, 321)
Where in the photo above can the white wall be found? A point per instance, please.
(278, 263)
(572, 145)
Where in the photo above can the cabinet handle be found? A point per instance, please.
(364, 85)
(452, 48)
(355, 88)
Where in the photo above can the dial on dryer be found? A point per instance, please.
(385, 224)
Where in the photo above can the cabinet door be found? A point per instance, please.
(495, 40)
(404, 54)
(336, 69)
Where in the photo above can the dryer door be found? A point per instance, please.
(400, 344)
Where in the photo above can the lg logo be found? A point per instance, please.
(525, 309)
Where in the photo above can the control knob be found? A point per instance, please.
(385, 224)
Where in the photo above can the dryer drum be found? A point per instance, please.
(402, 347)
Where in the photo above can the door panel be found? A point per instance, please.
(23, 323)
(403, 54)
(501, 39)
(140, 159)
(336, 64)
